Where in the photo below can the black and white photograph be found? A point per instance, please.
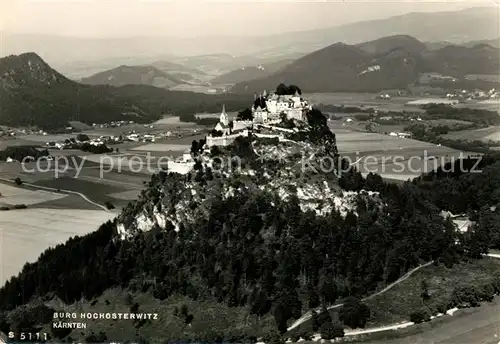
(250, 171)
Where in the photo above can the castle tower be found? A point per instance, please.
(224, 119)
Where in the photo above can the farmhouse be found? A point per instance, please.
(404, 135)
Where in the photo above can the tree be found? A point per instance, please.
(245, 115)
(320, 318)
(82, 137)
(109, 205)
(354, 313)
(424, 287)
(327, 288)
(96, 338)
(60, 333)
(420, 315)
(331, 331)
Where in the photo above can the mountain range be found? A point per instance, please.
(386, 63)
(33, 93)
(250, 72)
(455, 26)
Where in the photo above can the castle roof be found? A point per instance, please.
(222, 125)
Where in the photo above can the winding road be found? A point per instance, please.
(60, 190)
(308, 315)
(397, 326)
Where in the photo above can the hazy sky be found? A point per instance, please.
(112, 18)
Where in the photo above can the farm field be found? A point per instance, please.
(26, 233)
(170, 145)
(231, 115)
(362, 100)
(95, 189)
(393, 104)
(93, 182)
(42, 139)
(391, 157)
(484, 134)
(491, 104)
(11, 195)
(162, 147)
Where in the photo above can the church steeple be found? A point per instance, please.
(223, 116)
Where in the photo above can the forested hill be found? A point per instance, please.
(32, 93)
(132, 75)
(387, 63)
(261, 239)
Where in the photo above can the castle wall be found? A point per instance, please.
(286, 130)
(225, 140)
(269, 136)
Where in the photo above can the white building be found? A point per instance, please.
(293, 106)
(260, 115)
(182, 166)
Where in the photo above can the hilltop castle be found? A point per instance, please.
(267, 109)
(267, 113)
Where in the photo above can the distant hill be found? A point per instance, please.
(168, 66)
(437, 45)
(387, 63)
(181, 72)
(385, 45)
(493, 42)
(457, 27)
(459, 61)
(34, 94)
(250, 73)
(132, 75)
(454, 26)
